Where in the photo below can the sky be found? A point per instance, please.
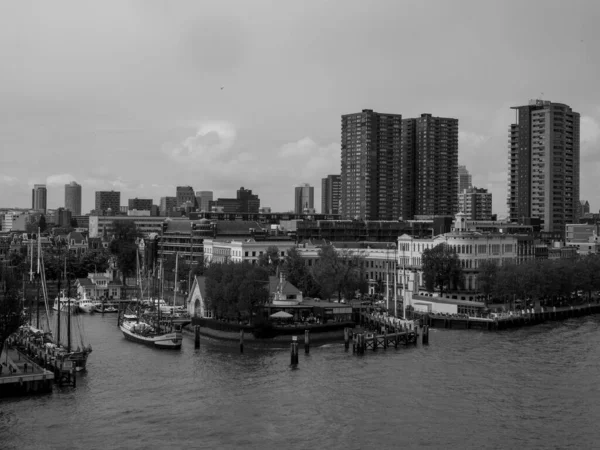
(143, 96)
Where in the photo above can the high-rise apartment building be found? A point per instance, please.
(464, 179)
(544, 164)
(73, 198)
(394, 169)
(185, 196)
(370, 150)
(39, 197)
(167, 206)
(475, 204)
(436, 165)
(203, 199)
(106, 200)
(304, 198)
(140, 204)
(330, 194)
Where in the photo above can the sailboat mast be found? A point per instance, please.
(139, 281)
(176, 270)
(68, 307)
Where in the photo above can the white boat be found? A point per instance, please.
(64, 303)
(143, 333)
(130, 317)
(106, 308)
(86, 305)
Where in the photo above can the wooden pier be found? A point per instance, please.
(20, 375)
(382, 332)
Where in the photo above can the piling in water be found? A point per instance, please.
(294, 351)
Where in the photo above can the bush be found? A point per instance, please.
(263, 329)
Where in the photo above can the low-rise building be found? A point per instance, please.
(243, 250)
(105, 285)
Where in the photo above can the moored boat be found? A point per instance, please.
(143, 333)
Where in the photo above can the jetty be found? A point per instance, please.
(20, 375)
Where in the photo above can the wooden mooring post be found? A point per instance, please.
(425, 336)
(242, 340)
(346, 338)
(196, 336)
(307, 341)
(294, 351)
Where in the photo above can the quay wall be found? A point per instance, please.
(231, 332)
(517, 320)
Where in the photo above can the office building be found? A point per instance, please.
(544, 165)
(140, 204)
(464, 179)
(185, 196)
(330, 194)
(475, 204)
(39, 196)
(107, 202)
(304, 198)
(167, 206)
(203, 199)
(245, 202)
(73, 198)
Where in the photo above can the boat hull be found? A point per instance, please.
(169, 341)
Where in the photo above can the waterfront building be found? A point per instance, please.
(304, 198)
(475, 204)
(242, 250)
(140, 204)
(203, 199)
(73, 198)
(330, 194)
(167, 206)
(105, 285)
(107, 203)
(585, 237)
(544, 165)
(39, 195)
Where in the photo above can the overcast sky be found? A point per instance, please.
(144, 96)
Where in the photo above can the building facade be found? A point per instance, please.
(100, 225)
(185, 196)
(39, 197)
(203, 199)
(304, 198)
(475, 204)
(436, 165)
(73, 198)
(330, 194)
(140, 204)
(371, 172)
(243, 250)
(464, 179)
(245, 202)
(544, 164)
(167, 206)
(107, 202)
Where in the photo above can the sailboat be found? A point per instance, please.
(144, 333)
(62, 347)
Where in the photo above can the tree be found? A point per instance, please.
(124, 245)
(339, 271)
(441, 268)
(42, 223)
(270, 259)
(298, 273)
(253, 290)
(488, 271)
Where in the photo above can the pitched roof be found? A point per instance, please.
(287, 288)
(85, 282)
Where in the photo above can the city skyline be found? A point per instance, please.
(70, 103)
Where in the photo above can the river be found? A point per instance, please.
(528, 388)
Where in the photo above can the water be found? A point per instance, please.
(528, 388)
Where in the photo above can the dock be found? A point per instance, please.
(20, 375)
(382, 332)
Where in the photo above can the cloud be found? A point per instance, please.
(8, 180)
(589, 130)
(59, 179)
(471, 139)
(211, 142)
(309, 159)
